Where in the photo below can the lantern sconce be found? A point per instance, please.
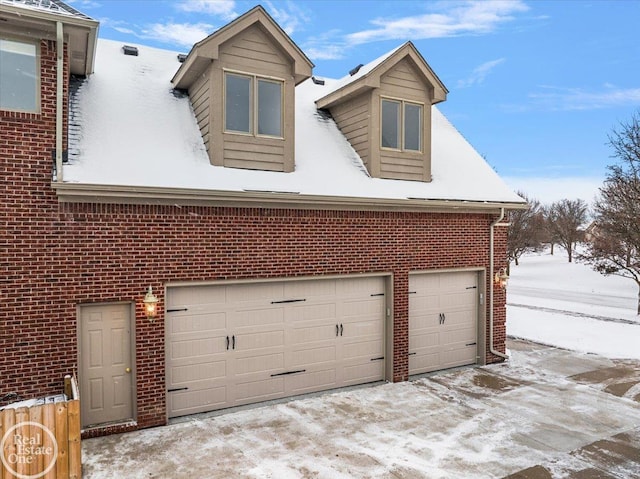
(501, 278)
(150, 305)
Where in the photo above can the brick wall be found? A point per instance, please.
(56, 256)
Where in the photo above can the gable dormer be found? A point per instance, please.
(241, 81)
(384, 110)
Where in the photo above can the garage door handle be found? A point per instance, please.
(233, 342)
(337, 330)
(377, 359)
(412, 354)
(227, 343)
(341, 330)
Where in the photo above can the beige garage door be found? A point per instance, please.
(443, 320)
(229, 345)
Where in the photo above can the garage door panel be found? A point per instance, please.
(360, 286)
(312, 381)
(311, 334)
(200, 324)
(363, 349)
(424, 303)
(363, 307)
(207, 372)
(314, 356)
(258, 293)
(442, 320)
(195, 348)
(262, 363)
(258, 390)
(198, 298)
(320, 312)
(260, 340)
(249, 318)
(424, 340)
(425, 362)
(192, 402)
(363, 372)
(458, 336)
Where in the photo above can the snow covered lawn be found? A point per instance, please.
(569, 305)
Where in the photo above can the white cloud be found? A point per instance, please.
(571, 99)
(449, 19)
(221, 8)
(185, 34)
(548, 190)
(480, 73)
(127, 31)
(288, 15)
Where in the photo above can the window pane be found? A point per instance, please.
(412, 127)
(390, 124)
(18, 76)
(269, 108)
(237, 103)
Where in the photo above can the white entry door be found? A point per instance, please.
(443, 320)
(106, 383)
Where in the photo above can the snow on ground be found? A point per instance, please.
(552, 301)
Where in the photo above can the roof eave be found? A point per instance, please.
(101, 193)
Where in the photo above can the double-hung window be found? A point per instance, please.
(253, 105)
(401, 127)
(19, 73)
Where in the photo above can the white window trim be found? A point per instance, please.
(38, 92)
(401, 131)
(253, 104)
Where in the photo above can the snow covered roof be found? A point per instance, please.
(132, 129)
(48, 6)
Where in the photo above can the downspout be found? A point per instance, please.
(59, 99)
(492, 285)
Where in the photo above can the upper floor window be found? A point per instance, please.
(401, 127)
(253, 105)
(19, 74)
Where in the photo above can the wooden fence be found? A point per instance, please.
(41, 441)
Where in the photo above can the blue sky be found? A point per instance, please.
(535, 86)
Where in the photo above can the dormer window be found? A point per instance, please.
(19, 76)
(253, 105)
(401, 127)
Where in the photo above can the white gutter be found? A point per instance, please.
(59, 98)
(492, 350)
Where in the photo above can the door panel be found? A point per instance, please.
(106, 382)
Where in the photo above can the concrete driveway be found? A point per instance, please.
(547, 413)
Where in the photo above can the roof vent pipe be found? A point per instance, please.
(317, 81)
(355, 70)
(182, 57)
(129, 50)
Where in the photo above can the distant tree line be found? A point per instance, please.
(612, 238)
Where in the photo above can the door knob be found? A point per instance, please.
(128, 370)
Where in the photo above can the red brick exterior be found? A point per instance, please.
(56, 256)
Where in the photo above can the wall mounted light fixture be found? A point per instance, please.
(501, 278)
(150, 305)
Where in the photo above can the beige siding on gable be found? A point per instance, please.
(253, 51)
(352, 117)
(403, 82)
(199, 95)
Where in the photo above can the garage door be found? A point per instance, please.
(443, 315)
(229, 345)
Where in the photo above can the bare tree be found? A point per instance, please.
(615, 247)
(566, 219)
(524, 231)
